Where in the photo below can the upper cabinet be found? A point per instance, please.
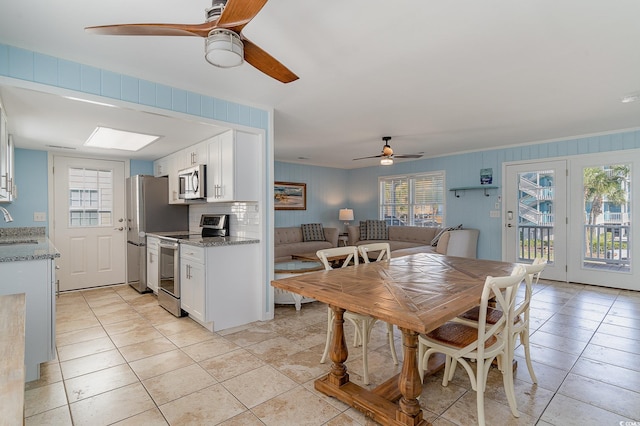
(7, 183)
(233, 169)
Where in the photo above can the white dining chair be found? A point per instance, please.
(363, 323)
(462, 343)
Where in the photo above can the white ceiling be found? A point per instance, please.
(438, 76)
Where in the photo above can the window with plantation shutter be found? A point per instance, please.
(416, 200)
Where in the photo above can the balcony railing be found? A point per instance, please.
(535, 241)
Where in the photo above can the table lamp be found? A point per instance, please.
(345, 215)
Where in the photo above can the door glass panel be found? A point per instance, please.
(535, 221)
(607, 217)
(90, 197)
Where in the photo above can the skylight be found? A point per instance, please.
(107, 138)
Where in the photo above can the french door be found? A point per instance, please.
(535, 215)
(578, 214)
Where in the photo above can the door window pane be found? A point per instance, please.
(607, 217)
(90, 197)
(536, 219)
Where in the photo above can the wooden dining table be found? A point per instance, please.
(417, 293)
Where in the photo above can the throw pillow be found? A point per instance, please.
(434, 242)
(377, 230)
(363, 230)
(312, 232)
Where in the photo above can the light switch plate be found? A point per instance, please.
(494, 213)
(39, 217)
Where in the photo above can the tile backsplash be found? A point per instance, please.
(244, 217)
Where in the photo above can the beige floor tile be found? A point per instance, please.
(273, 349)
(191, 337)
(128, 315)
(159, 364)
(112, 406)
(151, 417)
(49, 373)
(464, 412)
(91, 363)
(44, 398)
(567, 411)
(141, 334)
(58, 416)
(612, 356)
(92, 384)
(178, 383)
(343, 420)
(612, 398)
(231, 364)
(125, 326)
(245, 419)
(259, 385)
(145, 349)
(209, 348)
(304, 365)
(77, 336)
(208, 406)
(250, 336)
(80, 349)
(607, 373)
(297, 406)
(115, 308)
(79, 324)
(177, 325)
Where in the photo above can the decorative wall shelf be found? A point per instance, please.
(472, 188)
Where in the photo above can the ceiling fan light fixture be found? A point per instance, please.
(224, 49)
(386, 161)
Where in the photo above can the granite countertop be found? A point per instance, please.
(18, 244)
(198, 240)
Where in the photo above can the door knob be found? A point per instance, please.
(118, 229)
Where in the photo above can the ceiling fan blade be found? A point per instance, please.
(198, 30)
(373, 156)
(238, 13)
(266, 63)
(407, 156)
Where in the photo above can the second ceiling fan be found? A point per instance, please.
(225, 46)
(387, 155)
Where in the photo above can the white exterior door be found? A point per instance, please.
(89, 210)
(535, 216)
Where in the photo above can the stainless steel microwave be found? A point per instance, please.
(192, 183)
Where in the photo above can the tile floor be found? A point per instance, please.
(124, 360)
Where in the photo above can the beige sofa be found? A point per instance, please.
(412, 239)
(289, 241)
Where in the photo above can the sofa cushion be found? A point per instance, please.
(312, 232)
(443, 243)
(377, 230)
(434, 241)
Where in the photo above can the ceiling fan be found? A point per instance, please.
(387, 155)
(225, 46)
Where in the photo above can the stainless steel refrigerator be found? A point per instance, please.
(148, 210)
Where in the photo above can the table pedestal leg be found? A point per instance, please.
(338, 351)
(409, 381)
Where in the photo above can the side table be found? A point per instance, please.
(288, 269)
(344, 239)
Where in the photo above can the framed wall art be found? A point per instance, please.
(290, 196)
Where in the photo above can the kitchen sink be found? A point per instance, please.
(16, 242)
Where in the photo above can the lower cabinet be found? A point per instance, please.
(152, 263)
(219, 286)
(35, 278)
(192, 281)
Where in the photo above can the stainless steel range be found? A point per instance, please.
(169, 273)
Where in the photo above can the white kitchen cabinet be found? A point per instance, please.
(196, 155)
(161, 167)
(152, 263)
(192, 281)
(7, 183)
(177, 162)
(35, 278)
(219, 287)
(233, 168)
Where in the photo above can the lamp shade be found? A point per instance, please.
(224, 49)
(345, 214)
(386, 161)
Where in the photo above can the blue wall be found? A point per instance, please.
(326, 194)
(32, 184)
(138, 167)
(471, 209)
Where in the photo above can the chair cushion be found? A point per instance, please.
(493, 315)
(377, 230)
(457, 335)
(312, 232)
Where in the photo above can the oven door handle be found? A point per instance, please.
(173, 246)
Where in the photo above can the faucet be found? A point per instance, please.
(6, 214)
